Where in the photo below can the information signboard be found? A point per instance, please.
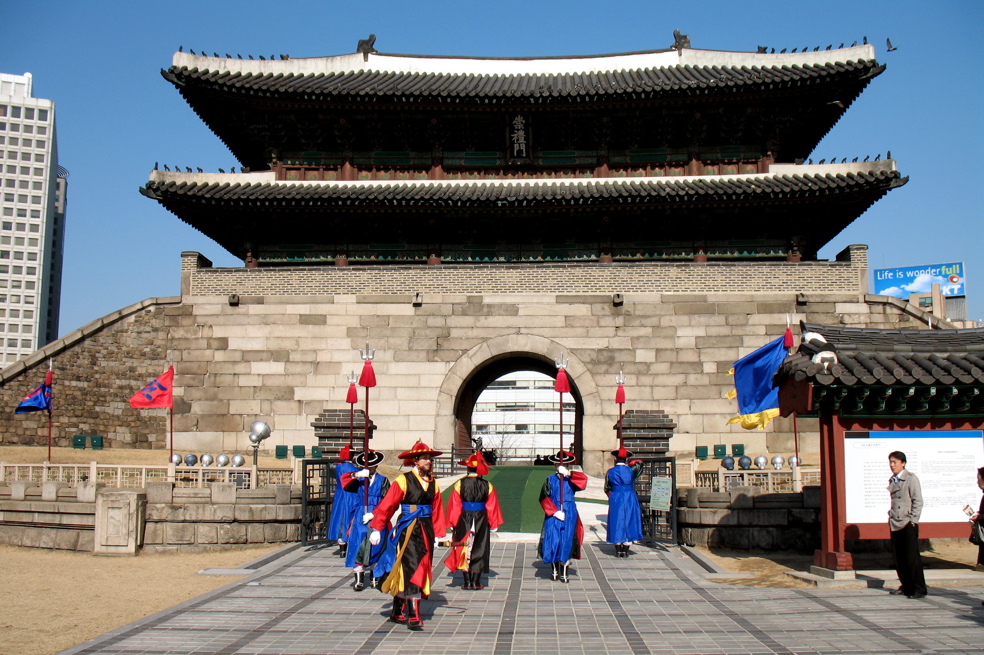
(946, 462)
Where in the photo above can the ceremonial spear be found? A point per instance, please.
(562, 386)
(620, 400)
(367, 380)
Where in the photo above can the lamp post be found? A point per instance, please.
(258, 431)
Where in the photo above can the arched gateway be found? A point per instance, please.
(485, 363)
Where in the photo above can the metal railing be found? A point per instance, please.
(130, 476)
(790, 480)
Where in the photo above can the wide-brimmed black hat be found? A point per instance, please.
(562, 457)
(621, 453)
(375, 458)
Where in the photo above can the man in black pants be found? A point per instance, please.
(903, 521)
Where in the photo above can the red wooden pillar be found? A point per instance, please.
(833, 507)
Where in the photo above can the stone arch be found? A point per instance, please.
(495, 357)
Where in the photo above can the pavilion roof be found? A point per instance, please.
(818, 203)
(656, 73)
(869, 356)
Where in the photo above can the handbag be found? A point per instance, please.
(977, 534)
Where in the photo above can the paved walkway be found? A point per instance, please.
(657, 601)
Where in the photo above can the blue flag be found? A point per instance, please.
(38, 399)
(758, 400)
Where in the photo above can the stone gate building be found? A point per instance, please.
(652, 213)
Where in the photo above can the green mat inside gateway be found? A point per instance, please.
(518, 488)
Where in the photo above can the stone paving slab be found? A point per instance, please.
(658, 601)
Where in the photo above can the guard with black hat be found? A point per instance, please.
(371, 487)
(473, 514)
(624, 510)
(562, 532)
(408, 558)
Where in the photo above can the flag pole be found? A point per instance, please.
(171, 422)
(51, 375)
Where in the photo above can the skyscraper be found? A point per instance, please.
(32, 220)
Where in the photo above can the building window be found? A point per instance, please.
(15, 112)
(42, 130)
(43, 115)
(11, 343)
(29, 113)
(25, 343)
(38, 158)
(926, 303)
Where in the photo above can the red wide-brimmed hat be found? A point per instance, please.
(375, 459)
(477, 462)
(562, 457)
(419, 448)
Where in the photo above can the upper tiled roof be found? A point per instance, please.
(582, 78)
(867, 356)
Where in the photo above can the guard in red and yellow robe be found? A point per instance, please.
(407, 561)
(473, 513)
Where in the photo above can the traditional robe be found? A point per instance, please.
(624, 510)
(473, 512)
(343, 505)
(561, 540)
(362, 552)
(408, 557)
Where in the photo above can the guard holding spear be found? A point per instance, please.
(624, 510)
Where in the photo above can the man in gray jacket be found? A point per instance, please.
(903, 521)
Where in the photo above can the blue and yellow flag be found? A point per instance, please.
(758, 400)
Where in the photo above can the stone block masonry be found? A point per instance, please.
(276, 344)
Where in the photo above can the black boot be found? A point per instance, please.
(360, 580)
(467, 584)
(477, 581)
(563, 573)
(342, 549)
(554, 571)
(399, 613)
(414, 622)
(625, 550)
(373, 581)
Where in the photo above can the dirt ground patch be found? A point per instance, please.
(53, 600)
(769, 569)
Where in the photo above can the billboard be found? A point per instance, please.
(900, 282)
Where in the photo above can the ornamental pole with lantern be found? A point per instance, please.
(620, 400)
(367, 380)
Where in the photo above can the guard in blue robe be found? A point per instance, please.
(562, 533)
(363, 555)
(344, 503)
(624, 510)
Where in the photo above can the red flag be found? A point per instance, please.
(620, 395)
(353, 395)
(158, 393)
(368, 377)
(562, 386)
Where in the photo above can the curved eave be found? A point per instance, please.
(786, 184)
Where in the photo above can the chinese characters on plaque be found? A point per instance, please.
(519, 138)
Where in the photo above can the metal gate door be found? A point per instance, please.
(317, 491)
(658, 522)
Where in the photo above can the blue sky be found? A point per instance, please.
(100, 61)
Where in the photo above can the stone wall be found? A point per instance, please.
(276, 344)
(745, 519)
(96, 370)
(221, 516)
(53, 515)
